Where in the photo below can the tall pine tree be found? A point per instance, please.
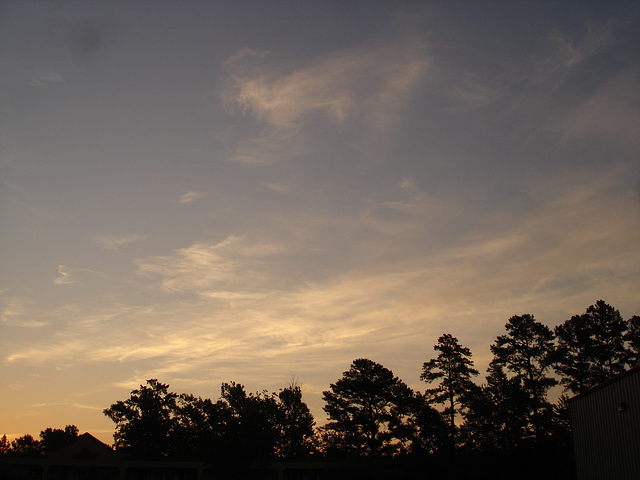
(454, 368)
(527, 352)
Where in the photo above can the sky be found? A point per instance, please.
(263, 191)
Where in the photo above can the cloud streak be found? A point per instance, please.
(202, 268)
(362, 88)
(115, 242)
(191, 196)
(609, 116)
(64, 278)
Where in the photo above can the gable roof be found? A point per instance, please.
(87, 447)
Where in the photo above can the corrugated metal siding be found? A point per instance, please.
(606, 440)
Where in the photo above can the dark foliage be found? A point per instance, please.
(527, 351)
(239, 427)
(591, 347)
(453, 367)
(632, 338)
(296, 424)
(425, 428)
(367, 410)
(54, 439)
(24, 446)
(496, 415)
(145, 422)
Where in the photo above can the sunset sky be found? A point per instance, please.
(255, 191)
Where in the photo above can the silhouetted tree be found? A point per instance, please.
(5, 445)
(296, 423)
(263, 426)
(591, 347)
(53, 439)
(527, 351)
(610, 350)
(427, 430)
(26, 445)
(496, 414)
(238, 427)
(365, 406)
(145, 422)
(576, 344)
(196, 430)
(561, 424)
(454, 368)
(632, 339)
(251, 422)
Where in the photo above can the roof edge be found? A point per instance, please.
(631, 371)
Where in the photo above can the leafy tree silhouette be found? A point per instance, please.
(251, 422)
(26, 446)
(238, 427)
(425, 427)
(145, 421)
(5, 445)
(365, 408)
(53, 439)
(591, 347)
(196, 434)
(496, 416)
(296, 423)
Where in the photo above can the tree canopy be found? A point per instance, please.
(595, 346)
(362, 407)
(259, 426)
(145, 421)
(527, 350)
(53, 439)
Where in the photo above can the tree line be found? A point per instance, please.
(51, 440)
(373, 414)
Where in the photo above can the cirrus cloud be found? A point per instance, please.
(114, 242)
(362, 89)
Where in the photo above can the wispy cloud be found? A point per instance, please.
(473, 92)
(68, 404)
(610, 116)
(114, 242)
(64, 277)
(75, 275)
(191, 196)
(570, 51)
(204, 268)
(545, 91)
(361, 88)
(22, 312)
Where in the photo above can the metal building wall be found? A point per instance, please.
(606, 429)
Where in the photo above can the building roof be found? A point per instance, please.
(86, 447)
(618, 377)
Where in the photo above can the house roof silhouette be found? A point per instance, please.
(86, 447)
